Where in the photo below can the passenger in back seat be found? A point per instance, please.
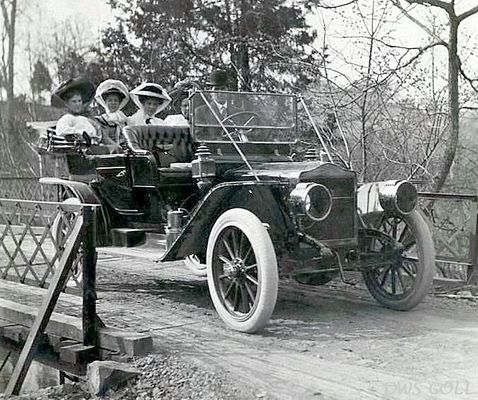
(150, 98)
(113, 96)
(76, 95)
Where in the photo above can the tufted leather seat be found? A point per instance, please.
(176, 141)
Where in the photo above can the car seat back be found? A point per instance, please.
(176, 140)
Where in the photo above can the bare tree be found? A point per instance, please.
(392, 132)
(9, 14)
(454, 68)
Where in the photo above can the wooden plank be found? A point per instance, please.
(57, 343)
(133, 344)
(58, 282)
(77, 353)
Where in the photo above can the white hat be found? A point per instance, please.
(148, 89)
(112, 86)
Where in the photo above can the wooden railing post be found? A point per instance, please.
(472, 270)
(90, 334)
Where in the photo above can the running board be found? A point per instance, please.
(152, 247)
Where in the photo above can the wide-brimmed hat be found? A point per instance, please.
(111, 86)
(81, 85)
(218, 78)
(148, 89)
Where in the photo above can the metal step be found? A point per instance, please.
(128, 237)
(144, 251)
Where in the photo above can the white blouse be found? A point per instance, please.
(141, 118)
(70, 123)
(117, 117)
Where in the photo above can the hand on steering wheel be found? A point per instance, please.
(241, 132)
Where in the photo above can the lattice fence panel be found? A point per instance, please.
(452, 224)
(26, 188)
(33, 236)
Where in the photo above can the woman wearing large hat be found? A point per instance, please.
(75, 95)
(150, 98)
(112, 95)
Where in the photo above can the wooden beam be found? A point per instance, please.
(132, 344)
(78, 353)
(90, 331)
(58, 282)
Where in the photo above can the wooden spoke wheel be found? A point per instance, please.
(60, 229)
(405, 279)
(242, 271)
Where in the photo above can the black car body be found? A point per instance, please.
(246, 197)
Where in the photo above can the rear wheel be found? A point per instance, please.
(242, 271)
(61, 228)
(195, 266)
(406, 280)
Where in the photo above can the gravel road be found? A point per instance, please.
(333, 342)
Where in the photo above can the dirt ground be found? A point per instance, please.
(332, 342)
(329, 342)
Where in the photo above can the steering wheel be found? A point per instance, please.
(241, 132)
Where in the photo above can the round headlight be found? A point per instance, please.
(318, 202)
(313, 200)
(406, 197)
(398, 196)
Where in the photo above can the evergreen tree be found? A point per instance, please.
(41, 79)
(263, 42)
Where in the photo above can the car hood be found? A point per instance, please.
(293, 172)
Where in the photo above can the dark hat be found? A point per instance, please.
(218, 78)
(82, 85)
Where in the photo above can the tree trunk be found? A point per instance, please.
(243, 49)
(10, 68)
(454, 106)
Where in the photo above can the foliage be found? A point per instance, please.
(73, 64)
(264, 43)
(41, 79)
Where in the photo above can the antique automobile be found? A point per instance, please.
(246, 196)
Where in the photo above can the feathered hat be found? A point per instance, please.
(81, 85)
(148, 89)
(112, 86)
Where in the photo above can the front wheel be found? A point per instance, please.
(242, 271)
(403, 282)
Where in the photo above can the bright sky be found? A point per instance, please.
(39, 18)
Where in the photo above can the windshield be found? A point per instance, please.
(248, 117)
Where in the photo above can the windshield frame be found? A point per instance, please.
(293, 129)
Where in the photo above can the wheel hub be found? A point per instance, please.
(234, 269)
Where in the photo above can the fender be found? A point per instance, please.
(86, 195)
(263, 198)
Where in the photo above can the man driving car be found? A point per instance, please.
(218, 108)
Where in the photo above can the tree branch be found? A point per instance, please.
(471, 81)
(397, 4)
(337, 6)
(448, 7)
(467, 14)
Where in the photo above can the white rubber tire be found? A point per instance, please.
(267, 270)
